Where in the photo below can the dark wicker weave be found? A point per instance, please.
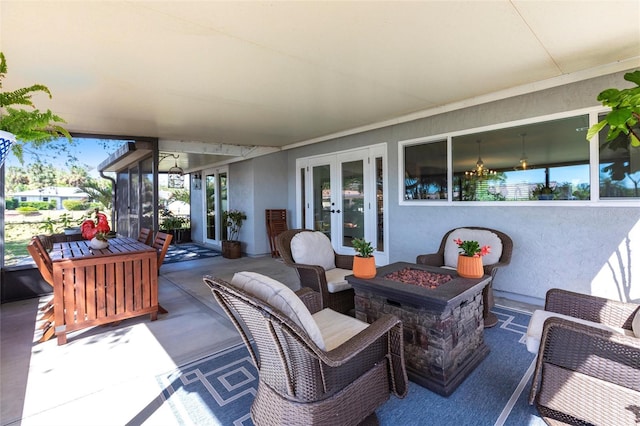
(586, 375)
(437, 259)
(313, 276)
(299, 384)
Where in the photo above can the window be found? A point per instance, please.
(538, 161)
(425, 171)
(619, 167)
(547, 160)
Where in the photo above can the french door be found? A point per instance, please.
(216, 201)
(343, 196)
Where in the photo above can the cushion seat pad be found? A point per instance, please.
(536, 324)
(336, 281)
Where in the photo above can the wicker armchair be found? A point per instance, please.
(314, 276)
(438, 259)
(298, 382)
(587, 374)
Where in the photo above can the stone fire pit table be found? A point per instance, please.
(443, 326)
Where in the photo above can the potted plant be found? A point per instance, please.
(18, 125)
(364, 264)
(470, 258)
(232, 220)
(176, 226)
(543, 192)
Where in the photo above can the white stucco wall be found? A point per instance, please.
(590, 249)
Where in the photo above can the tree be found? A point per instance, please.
(42, 175)
(180, 195)
(77, 176)
(99, 191)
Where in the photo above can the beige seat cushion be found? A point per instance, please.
(313, 248)
(336, 281)
(337, 328)
(281, 297)
(536, 324)
(482, 236)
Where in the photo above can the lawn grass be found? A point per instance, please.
(18, 230)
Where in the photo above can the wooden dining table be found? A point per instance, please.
(94, 287)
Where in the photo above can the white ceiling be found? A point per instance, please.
(279, 74)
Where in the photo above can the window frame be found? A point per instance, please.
(594, 161)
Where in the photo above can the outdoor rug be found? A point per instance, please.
(184, 252)
(219, 389)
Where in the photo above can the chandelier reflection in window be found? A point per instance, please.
(175, 175)
(524, 161)
(480, 171)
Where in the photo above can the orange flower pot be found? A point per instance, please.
(470, 267)
(364, 267)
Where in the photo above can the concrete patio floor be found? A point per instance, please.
(106, 375)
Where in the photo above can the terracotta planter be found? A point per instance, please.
(231, 249)
(470, 267)
(364, 267)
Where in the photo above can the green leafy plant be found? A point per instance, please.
(625, 112)
(102, 236)
(31, 125)
(233, 219)
(48, 226)
(542, 190)
(362, 247)
(66, 220)
(171, 221)
(471, 248)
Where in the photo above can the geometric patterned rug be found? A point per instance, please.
(188, 251)
(216, 390)
(220, 388)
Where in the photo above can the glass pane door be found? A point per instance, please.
(210, 194)
(323, 207)
(353, 221)
(342, 195)
(216, 201)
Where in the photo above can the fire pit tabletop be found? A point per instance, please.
(444, 295)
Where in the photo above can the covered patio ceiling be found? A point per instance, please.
(216, 80)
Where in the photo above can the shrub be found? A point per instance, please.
(27, 210)
(74, 205)
(12, 203)
(39, 205)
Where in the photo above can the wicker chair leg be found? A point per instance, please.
(372, 420)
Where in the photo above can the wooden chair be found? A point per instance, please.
(276, 221)
(306, 377)
(145, 236)
(447, 244)
(41, 257)
(161, 243)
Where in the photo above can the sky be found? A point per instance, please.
(90, 152)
